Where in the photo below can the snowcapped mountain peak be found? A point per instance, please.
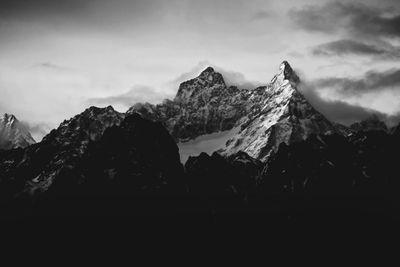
(8, 119)
(286, 73)
(254, 121)
(280, 115)
(13, 133)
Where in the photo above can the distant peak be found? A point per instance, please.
(9, 118)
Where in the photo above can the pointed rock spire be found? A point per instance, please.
(286, 73)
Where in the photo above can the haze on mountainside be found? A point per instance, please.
(57, 58)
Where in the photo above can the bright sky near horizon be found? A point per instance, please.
(59, 57)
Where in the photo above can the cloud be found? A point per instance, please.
(364, 30)
(337, 110)
(138, 93)
(37, 130)
(347, 47)
(194, 72)
(354, 18)
(372, 81)
(234, 78)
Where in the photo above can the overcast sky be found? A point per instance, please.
(59, 57)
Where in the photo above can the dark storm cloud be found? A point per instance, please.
(339, 111)
(138, 94)
(354, 18)
(351, 47)
(370, 82)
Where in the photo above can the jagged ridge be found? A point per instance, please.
(266, 116)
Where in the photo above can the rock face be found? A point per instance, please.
(266, 116)
(202, 105)
(98, 154)
(281, 115)
(13, 134)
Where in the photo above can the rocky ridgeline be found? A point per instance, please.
(266, 116)
(105, 162)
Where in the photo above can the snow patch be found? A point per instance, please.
(207, 143)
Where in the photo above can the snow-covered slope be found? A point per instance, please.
(265, 116)
(282, 115)
(13, 133)
(207, 143)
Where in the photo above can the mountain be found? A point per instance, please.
(282, 116)
(324, 176)
(277, 156)
(98, 155)
(13, 134)
(258, 119)
(203, 105)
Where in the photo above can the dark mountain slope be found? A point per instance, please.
(129, 167)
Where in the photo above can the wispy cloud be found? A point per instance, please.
(38, 130)
(348, 47)
(370, 82)
(364, 30)
(137, 94)
(338, 110)
(355, 18)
